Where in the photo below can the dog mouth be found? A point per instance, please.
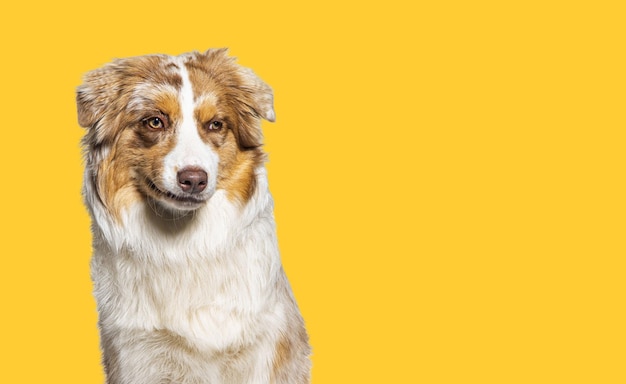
(187, 201)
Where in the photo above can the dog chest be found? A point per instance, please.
(214, 301)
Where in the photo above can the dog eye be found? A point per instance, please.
(215, 125)
(154, 123)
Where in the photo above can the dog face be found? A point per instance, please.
(173, 130)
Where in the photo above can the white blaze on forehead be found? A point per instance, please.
(189, 150)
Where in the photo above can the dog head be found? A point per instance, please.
(173, 129)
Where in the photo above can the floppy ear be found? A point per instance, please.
(96, 101)
(260, 99)
(261, 93)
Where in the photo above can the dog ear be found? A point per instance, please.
(261, 93)
(260, 99)
(96, 101)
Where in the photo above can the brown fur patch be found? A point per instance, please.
(106, 98)
(111, 103)
(281, 357)
(132, 165)
(237, 89)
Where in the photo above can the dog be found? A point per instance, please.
(187, 275)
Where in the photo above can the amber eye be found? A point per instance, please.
(215, 125)
(154, 123)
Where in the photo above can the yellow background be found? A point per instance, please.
(448, 177)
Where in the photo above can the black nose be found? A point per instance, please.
(192, 180)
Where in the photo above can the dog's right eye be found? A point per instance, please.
(154, 123)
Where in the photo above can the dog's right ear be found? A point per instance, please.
(97, 102)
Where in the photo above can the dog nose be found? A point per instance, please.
(192, 180)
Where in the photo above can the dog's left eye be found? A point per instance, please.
(154, 123)
(214, 125)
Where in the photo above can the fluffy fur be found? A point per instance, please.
(186, 270)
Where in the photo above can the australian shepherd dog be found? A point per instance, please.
(187, 275)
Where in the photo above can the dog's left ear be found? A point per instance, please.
(260, 99)
(261, 93)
